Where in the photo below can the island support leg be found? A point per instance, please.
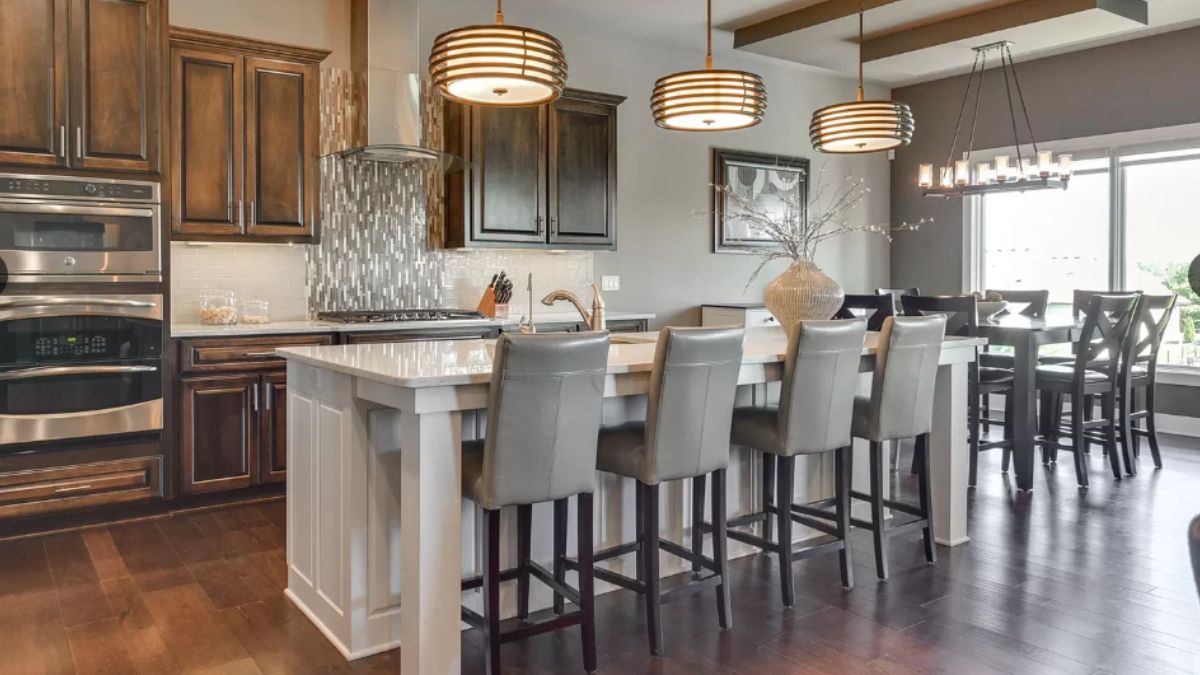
(431, 550)
(949, 455)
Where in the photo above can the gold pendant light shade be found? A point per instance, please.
(498, 65)
(709, 100)
(861, 126)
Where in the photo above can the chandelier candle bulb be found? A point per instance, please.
(983, 173)
(925, 176)
(1028, 170)
(947, 177)
(962, 172)
(1002, 168)
(1045, 163)
(1064, 167)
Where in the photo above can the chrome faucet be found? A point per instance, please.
(595, 320)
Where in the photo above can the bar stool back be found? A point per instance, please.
(816, 406)
(874, 308)
(685, 435)
(544, 410)
(1139, 366)
(1035, 302)
(900, 406)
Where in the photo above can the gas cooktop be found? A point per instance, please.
(390, 315)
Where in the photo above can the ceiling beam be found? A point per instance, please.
(807, 17)
(991, 20)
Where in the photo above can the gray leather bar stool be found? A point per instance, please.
(544, 410)
(685, 435)
(816, 405)
(900, 406)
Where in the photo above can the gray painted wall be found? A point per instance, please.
(1134, 85)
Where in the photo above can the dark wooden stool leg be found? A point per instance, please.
(1048, 423)
(720, 556)
(698, 485)
(639, 526)
(768, 492)
(1108, 408)
(877, 521)
(560, 550)
(1055, 435)
(1009, 432)
(491, 591)
(524, 553)
(783, 517)
(650, 555)
(1151, 429)
(587, 590)
(1125, 424)
(842, 460)
(1078, 442)
(924, 483)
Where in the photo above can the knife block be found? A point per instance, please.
(487, 304)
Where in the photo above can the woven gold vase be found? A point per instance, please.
(803, 293)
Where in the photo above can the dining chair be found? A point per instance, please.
(900, 406)
(962, 319)
(1139, 365)
(1094, 372)
(816, 404)
(1035, 304)
(685, 435)
(874, 308)
(896, 294)
(543, 418)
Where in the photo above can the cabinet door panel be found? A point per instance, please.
(273, 434)
(206, 110)
(219, 443)
(583, 173)
(115, 83)
(508, 156)
(281, 156)
(33, 82)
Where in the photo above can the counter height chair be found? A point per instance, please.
(1093, 372)
(900, 406)
(1035, 304)
(543, 419)
(816, 405)
(1137, 376)
(873, 308)
(962, 319)
(896, 294)
(685, 435)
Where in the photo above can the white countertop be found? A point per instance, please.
(180, 330)
(457, 362)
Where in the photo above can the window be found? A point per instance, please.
(1064, 240)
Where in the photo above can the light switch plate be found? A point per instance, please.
(610, 283)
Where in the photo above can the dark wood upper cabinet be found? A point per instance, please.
(116, 78)
(244, 145)
(80, 82)
(583, 171)
(540, 177)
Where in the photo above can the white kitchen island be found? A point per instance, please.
(374, 506)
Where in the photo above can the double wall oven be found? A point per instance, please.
(80, 354)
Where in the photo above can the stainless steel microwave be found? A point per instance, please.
(66, 228)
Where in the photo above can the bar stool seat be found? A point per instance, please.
(621, 449)
(472, 470)
(1056, 373)
(989, 375)
(757, 427)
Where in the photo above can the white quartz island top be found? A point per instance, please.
(459, 362)
(184, 330)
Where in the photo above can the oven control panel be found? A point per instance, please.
(69, 187)
(70, 345)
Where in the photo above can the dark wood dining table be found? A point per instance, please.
(1026, 335)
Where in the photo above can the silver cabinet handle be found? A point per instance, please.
(253, 214)
(60, 302)
(241, 216)
(60, 371)
(73, 488)
(539, 220)
(267, 397)
(62, 140)
(255, 397)
(267, 353)
(79, 142)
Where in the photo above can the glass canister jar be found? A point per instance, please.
(218, 308)
(255, 311)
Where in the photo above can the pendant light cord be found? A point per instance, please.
(962, 111)
(708, 59)
(861, 96)
(1012, 113)
(978, 97)
(1021, 97)
(499, 12)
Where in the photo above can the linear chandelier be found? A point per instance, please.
(861, 126)
(1039, 171)
(498, 65)
(709, 99)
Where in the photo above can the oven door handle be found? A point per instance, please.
(61, 371)
(71, 302)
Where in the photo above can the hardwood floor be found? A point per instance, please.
(1053, 582)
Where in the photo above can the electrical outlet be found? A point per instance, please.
(610, 283)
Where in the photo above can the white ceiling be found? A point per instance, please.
(832, 47)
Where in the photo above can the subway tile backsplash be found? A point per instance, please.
(272, 272)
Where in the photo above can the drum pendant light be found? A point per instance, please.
(861, 126)
(709, 99)
(498, 65)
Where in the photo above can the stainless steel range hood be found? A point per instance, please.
(385, 57)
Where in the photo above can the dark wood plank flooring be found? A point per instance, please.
(1053, 582)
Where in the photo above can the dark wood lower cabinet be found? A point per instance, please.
(273, 428)
(218, 432)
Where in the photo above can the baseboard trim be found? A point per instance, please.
(1179, 425)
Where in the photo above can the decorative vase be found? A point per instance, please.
(802, 293)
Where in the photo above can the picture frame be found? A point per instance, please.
(760, 175)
